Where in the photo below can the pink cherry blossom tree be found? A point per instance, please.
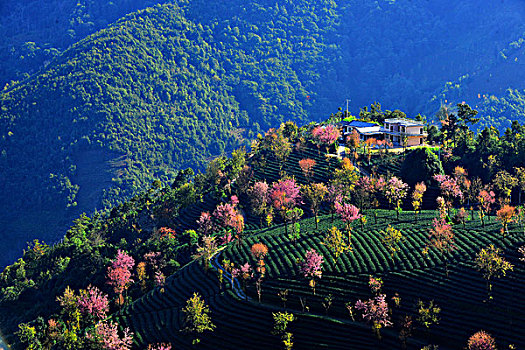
(441, 237)
(285, 195)
(224, 215)
(244, 272)
(228, 217)
(326, 135)
(349, 213)
(481, 341)
(375, 311)
(395, 190)
(160, 280)
(119, 274)
(93, 302)
(450, 189)
(311, 267)
(486, 199)
(106, 335)
(205, 223)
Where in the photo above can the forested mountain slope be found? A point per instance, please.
(33, 32)
(150, 94)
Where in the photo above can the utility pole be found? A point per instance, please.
(346, 113)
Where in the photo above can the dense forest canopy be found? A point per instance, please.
(89, 117)
(34, 32)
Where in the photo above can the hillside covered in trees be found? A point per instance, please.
(92, 117)
(288, 247)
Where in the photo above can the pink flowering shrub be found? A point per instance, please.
(226, 238)
(245, 272)
(348, 212)
(92, 301)
(375, 311)
(380, 183)
(395, 190)
(375, 284)
(160, 279)
(441, 235)
(285, 193)
(107, 337)
(311, 266)
(123, 260)
(326, 135)
(119, 273)
(481, 341)
(449, 186)
(205, 223)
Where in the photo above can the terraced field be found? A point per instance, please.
(323, 169)
(243, 323)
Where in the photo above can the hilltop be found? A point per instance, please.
(166, 232)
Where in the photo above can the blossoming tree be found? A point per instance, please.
(492, 265)
(311, 267)
(376, 312)
(395, 190)
(481, 341)
(119, 274)
(349, 213)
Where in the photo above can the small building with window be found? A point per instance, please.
(398, 131)
(366, 130)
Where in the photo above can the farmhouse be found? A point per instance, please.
(365, 130)
(396, 130)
